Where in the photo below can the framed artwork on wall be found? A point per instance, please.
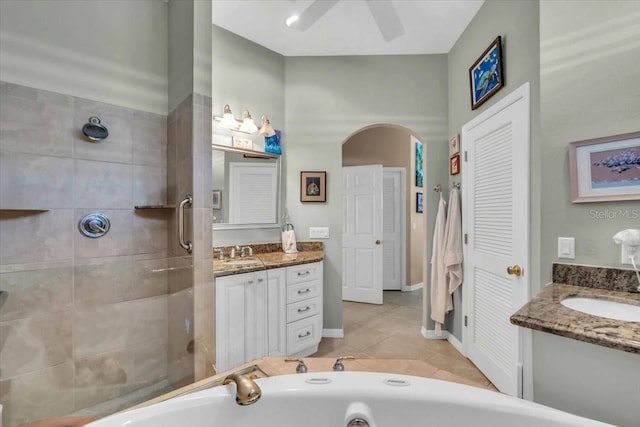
(485, 75)
(419, 157)
(454, 145)
(454, 165)
(605, 169)
(419, 203)
(313, 186)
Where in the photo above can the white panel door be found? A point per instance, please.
(496, 221)
(393, 208)
(362, 234)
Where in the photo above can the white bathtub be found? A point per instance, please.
(333, 399)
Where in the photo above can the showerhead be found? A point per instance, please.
(94, 130)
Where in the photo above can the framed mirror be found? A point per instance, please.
(246, 188)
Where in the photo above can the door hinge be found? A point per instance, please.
(466, 238)
(466, 321)
(465, 156)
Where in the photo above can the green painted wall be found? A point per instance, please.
(113, 51)
(517, 23)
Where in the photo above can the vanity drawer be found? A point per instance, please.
(303, 291)
(303, 309)
(303, 334)
(304, 273)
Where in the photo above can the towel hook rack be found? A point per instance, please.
(437, 188)
(456, 185)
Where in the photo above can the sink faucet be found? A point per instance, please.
(234, 249)
(221, 256)
(242, 253)
(247, 391)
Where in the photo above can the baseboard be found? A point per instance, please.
(412, 287)
(333, 333)
(430, 334)
(456, 343)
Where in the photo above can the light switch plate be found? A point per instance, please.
(318, 232)
(567, 247)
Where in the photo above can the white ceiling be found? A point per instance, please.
(431, 26)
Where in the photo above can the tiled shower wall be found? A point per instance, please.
(82, 320)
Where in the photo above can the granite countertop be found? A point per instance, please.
(268, 260)
(545, 313)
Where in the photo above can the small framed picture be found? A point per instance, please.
(454, 165)
(419, 161)
(605, 169)
(313, 186)
(419, 203)
(217, 199)
(454, 145)
(485, 75)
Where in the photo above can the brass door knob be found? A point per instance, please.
(514, 270)
(378, 242)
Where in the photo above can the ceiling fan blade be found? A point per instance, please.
(386, 16)
(312, 13)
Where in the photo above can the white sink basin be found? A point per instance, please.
(243, 262)
(604, 308)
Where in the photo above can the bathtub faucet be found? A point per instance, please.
(247, 391)
(338, 366)
(301, 368)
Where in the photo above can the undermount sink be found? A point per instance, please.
(243, 262)
(604, 308)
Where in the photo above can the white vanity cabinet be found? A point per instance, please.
(241, 318)
(275, 312)
(304, 309)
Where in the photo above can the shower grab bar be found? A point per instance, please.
(186, 202)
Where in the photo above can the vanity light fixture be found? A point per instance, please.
(228, 121)
(266, 129)
(248, 125)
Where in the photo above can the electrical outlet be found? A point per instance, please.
(627, 251)
(318, 232)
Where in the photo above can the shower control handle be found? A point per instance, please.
(94, 225)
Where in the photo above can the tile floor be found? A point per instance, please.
(392, 331)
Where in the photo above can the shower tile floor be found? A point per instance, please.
(393, 331)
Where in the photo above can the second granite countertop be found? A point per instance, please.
(269, 260)
(546, 313)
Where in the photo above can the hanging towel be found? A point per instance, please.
(439, 291)
(453, 244)
(289, 242)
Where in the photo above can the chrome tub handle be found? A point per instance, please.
(186, 202)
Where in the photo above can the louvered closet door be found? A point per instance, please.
(495, 190)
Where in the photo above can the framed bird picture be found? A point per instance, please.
(485, 75)
(605, 169)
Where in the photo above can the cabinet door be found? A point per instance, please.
(230, 321)
(255, 316)
(276, 312)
